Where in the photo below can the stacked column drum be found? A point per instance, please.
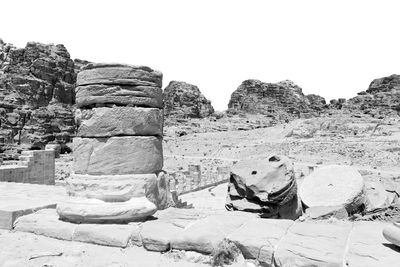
(118, 149)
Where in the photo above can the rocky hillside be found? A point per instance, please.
(381, 98)
(184, 100)
(282, 99)
(36, 96)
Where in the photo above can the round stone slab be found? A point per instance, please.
(117, 155)
(111, 188)
(119, 121)
(333, 185)
(97, 211)
(123, 95)
(110, 73)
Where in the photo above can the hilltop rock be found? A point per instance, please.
(382, 97)
(36, 95)
(183, 100)
(282, 99)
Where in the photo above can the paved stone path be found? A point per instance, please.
(271, 242)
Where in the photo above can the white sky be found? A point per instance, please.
(331, 48)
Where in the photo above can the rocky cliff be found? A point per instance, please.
(381, 98)
(184, 100)
(280, 99)
(36, 96)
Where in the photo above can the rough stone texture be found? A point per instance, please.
(258, 238)
(313, 244)
(97, 211)
(117, 94)
(381, 98)
(284, 99)
(326, 212)
(205, 234)
(45, 222)
(36, 94)
(376, 195)
(184, 100)
(157, 235)
(112, 188)
(266, 186)
(118, 155)
(333, 185)
(367, 247)
(119, 121)
(317, 102)
(392, 233)
(109, 73)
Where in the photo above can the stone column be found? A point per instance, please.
(118, 149)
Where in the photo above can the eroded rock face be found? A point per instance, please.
(381, 98)
(184, 100)
(36, 94)
(284, 98)
(266, 186)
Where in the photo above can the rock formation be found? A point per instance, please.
(381, 97)
(265, 186)
(184, 100)
(36, 95)
(284, 98)
(118, 153)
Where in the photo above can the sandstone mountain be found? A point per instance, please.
(382, 97)
(184, 100)
(36, 95)
(280, 99)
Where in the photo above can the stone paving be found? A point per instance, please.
(271, 242)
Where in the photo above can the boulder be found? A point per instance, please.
(376, 195)
(118, 155)
(117, 94)
(392, 233)
(120, 121)
(333, 185)
(109, 73)
(266, 186)
(97, 211)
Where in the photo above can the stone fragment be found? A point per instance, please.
(157, 235)
(113, 235)
(118, 155)
(159, 192)
(45, 222)
(367, 246)
(97, 211)
(205, 234)
(266, 186)
(258, 238)
(109, 73)
(392, 233)
(313, 244)
(112, 188)
(376, 195)
(333, 185)
(122, 95)
(325, 212)
(120, 121)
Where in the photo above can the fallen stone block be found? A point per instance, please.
(45, 222)
(157, 235)
(120, 95)
(120, 121)
(313, 244)
(205, 234)
(258, 238)
(334, 185)
(113, 235)
(376, 195)
(97, 211)
(118, 155)
(108, 73)
(367, 246)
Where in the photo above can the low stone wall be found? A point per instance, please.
(34, 167)
(193, 179)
